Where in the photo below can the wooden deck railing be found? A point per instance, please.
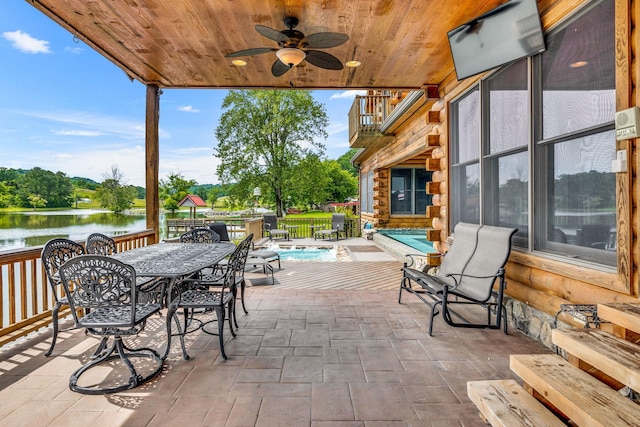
(367, 113)
(303, 226)
(25, 295)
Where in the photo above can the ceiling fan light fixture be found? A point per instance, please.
(239, 62)
(353, 63)
(291, 56)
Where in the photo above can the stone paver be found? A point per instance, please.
(303, 357)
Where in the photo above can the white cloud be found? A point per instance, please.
(77, 133)
(74, 50)
(25, 43)
(188, 109)
(96, 123)
(348, 94)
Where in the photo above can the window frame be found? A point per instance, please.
(536, 189)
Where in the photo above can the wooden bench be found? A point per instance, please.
(467, 275)
(505, 403)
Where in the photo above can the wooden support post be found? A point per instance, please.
(152, 160)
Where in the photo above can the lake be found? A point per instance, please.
(35, 228)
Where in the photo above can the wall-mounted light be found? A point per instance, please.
(239, 62)
(353, 63)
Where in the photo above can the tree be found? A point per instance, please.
(56, 188)
(37, 201)
(342, 184)
(173, 190)
(311, 182)
(113, 193)
(6, 195)
(262, 136)
(345, 161)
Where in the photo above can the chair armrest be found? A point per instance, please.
(412, 257)
(458, 278)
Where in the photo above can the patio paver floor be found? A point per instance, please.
(323, 347)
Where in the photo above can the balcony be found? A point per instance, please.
(373, 119)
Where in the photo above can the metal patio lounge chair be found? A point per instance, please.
(337, 227)
(270, 227)
(466, 275)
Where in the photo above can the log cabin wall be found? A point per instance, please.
(537, 284)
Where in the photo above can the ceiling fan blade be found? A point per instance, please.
(272, 34)
(249, 52)
(323, 60)
(324, 40)
(279, 68)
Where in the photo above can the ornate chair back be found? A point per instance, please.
(99, 244)
(54, 254)
(200, 235)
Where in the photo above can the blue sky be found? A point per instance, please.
(64, 107)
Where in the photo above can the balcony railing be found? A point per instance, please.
(25, 295)
(368, 113)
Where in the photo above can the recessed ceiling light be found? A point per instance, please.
(353, 63)
(239, 62)
(578, 64)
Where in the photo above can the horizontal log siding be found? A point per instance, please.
(537, 281)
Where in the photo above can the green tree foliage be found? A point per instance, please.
(8, 175)
(113, 193)
(345, 161)
(36, 201)
(7, 193)
(86, 183)
(56, 188)
(342, 184)
(174, 189)
(311, 182)
(263, 135)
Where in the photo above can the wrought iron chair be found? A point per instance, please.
(105, 288)
(337, 227)
(99, 244)
(200, 235)
(208, 293)
(54, 254)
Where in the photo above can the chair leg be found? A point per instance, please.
(172, 317)
(242, 286)
(232, 316)
(54, 321)
(118, 350)
(220, 314)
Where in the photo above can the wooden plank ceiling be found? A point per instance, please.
(183, 43)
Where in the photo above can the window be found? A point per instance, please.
(507, 133)
(366, 192)
(465, 158)
(409, 191)
(553, 112)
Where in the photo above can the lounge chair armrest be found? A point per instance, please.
(413, 257)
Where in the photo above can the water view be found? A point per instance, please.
(26, 229)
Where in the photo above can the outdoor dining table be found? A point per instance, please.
(172, 262)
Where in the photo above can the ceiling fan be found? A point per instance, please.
(295, 47)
